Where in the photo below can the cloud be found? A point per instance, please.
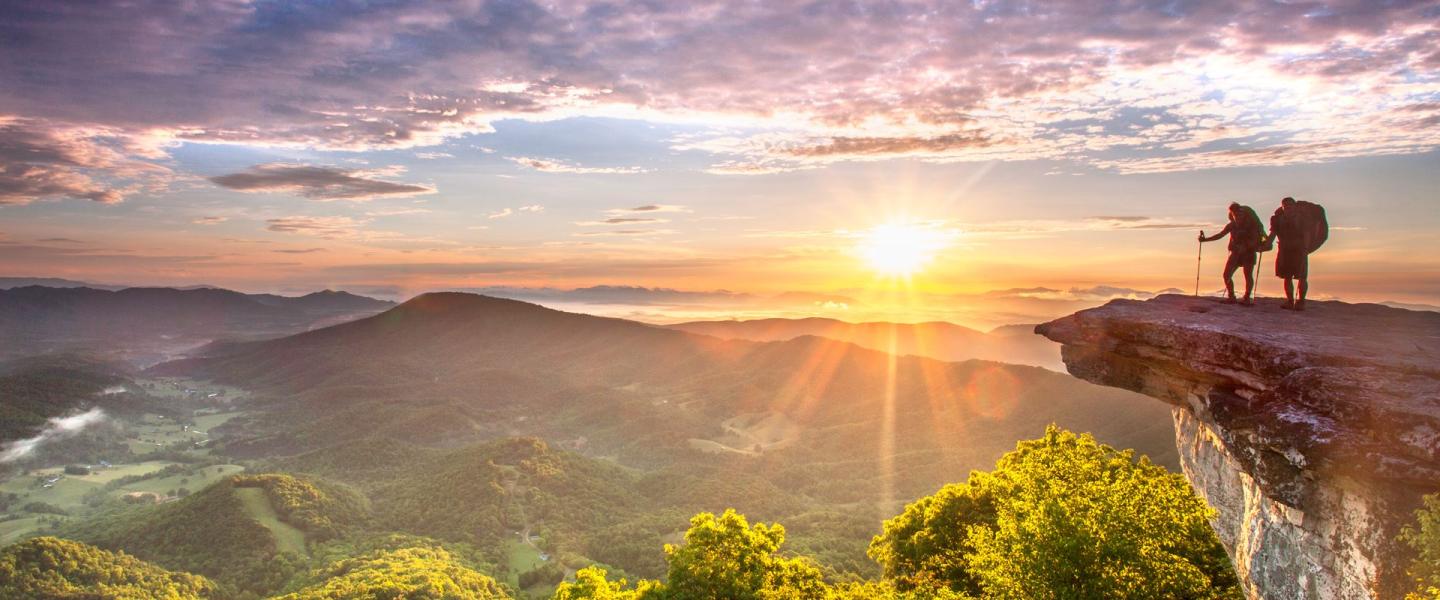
(209, 220)
(1039, 227)
(620, 221)
(806, 84)
(395, 212)
(433, 155)
(57, 428)
(650, 208)
(41, 160)
(553, 166)
(624, 232)
(316, 183)
(507, 212)
(325, 227)
(59, 240)
(299, 250)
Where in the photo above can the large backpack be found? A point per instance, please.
(1314, 224)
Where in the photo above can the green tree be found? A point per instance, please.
(591, 584)
(421, 573)
(726, 558)
(1061, 517)
(723, 558)
(1424, 537)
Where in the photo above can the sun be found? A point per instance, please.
(900, 249)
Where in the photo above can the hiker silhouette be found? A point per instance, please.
(1247, 235)
(1301, 228)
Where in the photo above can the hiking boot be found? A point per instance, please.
(1247, 302)
(1230, 300)
(1287, 305)
(1299, 305)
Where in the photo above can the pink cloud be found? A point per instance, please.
(933, 80)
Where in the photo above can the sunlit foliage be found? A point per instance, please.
(722, 557)
(47, 567)
(1424, 538)
(411, 573)
(1060, 517)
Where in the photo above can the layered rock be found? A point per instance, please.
(1313, 434)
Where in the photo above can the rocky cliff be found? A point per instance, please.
(1314, 434)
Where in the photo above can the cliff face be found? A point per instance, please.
(1314, 434)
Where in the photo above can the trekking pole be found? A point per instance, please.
(1198, 249)
(1255, 287)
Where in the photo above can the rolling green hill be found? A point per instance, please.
(221, 532)
(47, 567)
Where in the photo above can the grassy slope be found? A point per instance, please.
(287, 537)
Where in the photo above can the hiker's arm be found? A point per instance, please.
(1223, 233)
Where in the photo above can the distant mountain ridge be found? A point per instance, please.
(1014, 344)
(148, 321)
(54, 282)
(451, 364)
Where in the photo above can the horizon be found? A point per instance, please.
(970, 148)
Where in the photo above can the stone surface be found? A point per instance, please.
(1313, 434)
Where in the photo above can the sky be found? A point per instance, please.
(715, 158)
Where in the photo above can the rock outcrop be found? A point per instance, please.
(1313, 434)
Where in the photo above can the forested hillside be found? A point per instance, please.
(47, 567)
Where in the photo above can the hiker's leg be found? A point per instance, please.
(1289, 291)
(1230, 265)
(1304, 287)
(1249, 280)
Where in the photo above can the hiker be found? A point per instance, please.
(1247, 234)
(1301, 228)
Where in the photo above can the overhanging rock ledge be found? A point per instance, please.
(1313, 434)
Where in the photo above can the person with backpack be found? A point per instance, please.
(1301, 228)
(1247, 234)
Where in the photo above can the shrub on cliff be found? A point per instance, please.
(1424, 537)
(1060, 517)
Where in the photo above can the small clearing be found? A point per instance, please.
(287, 537)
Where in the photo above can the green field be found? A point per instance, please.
(206, 422)
(288, 538)
(175, 388)
(519, 558)
(103, 475)
(16, 530)
(67, 493)
(193, 482)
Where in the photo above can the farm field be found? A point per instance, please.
(14, 530)
(162, 485)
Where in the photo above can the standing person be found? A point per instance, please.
(1246, 233)
(1301, 228)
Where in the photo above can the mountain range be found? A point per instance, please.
(1016, 344)
(444, 368)
(144, 325)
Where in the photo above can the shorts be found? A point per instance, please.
(1292, 263)
(1239, 258)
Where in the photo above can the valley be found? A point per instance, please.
(535, 442)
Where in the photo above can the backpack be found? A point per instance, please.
(1248, 229)
(1314, 224)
